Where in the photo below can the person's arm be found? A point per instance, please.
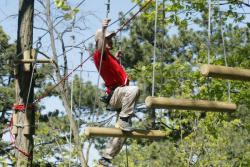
(100, 35)
(118, 55)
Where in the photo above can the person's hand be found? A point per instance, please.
(105, 23)
(118, 54)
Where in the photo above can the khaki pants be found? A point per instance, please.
(124, 98)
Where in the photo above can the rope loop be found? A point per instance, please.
(38, 44)
(22, 107)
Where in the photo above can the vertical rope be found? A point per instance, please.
(225, 58)
(120, 46)
(38, 46)
(209, 32)
(80, 92)
(127, 154)
(80, 95)
(154, 58)
(208, 79)
(162, 57)
(102, 52)
(70, 128)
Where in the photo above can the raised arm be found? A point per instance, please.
(100, 37)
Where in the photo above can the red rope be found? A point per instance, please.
(133, 16)
(63, 79)
(22, 107)
(23, 152)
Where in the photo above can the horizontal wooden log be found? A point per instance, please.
(116, 132)
(225, 72)
(187, 104)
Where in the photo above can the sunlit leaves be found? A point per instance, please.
(64, 6)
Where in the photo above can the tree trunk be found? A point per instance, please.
(25, 120)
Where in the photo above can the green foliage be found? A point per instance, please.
(52, 140)
(7, 91)
(197, 138)
(64, 6)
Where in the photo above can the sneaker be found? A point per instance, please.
(125, 124)
(104, 162)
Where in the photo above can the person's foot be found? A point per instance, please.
(104, 162)
(125, 124)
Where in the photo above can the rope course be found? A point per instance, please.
(46, 93)
(151, 101)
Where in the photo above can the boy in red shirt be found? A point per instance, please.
(122, 96)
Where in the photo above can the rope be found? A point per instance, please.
(127, 154)
(120, 46)
(208, 79)
(144, 6)
(209, 31)
(120, 29)
(225, 59)
(67, 76)
(70, 128)
(102, 52)
(155, 38)
(62, 80)
(23, 108)
(38, 46)
(84, 41)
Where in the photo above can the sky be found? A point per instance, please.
(93, 10)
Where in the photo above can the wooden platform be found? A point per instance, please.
(116, 132)
(225, 72)
(187, 104)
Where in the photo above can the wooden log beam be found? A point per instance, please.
(187, 104)
(225, 72)
(116, 132)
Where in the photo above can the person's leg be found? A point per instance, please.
(131, 94)
(113, 148)
(124, 98)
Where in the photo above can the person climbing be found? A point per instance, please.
(120, 95)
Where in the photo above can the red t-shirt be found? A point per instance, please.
(112, 72)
